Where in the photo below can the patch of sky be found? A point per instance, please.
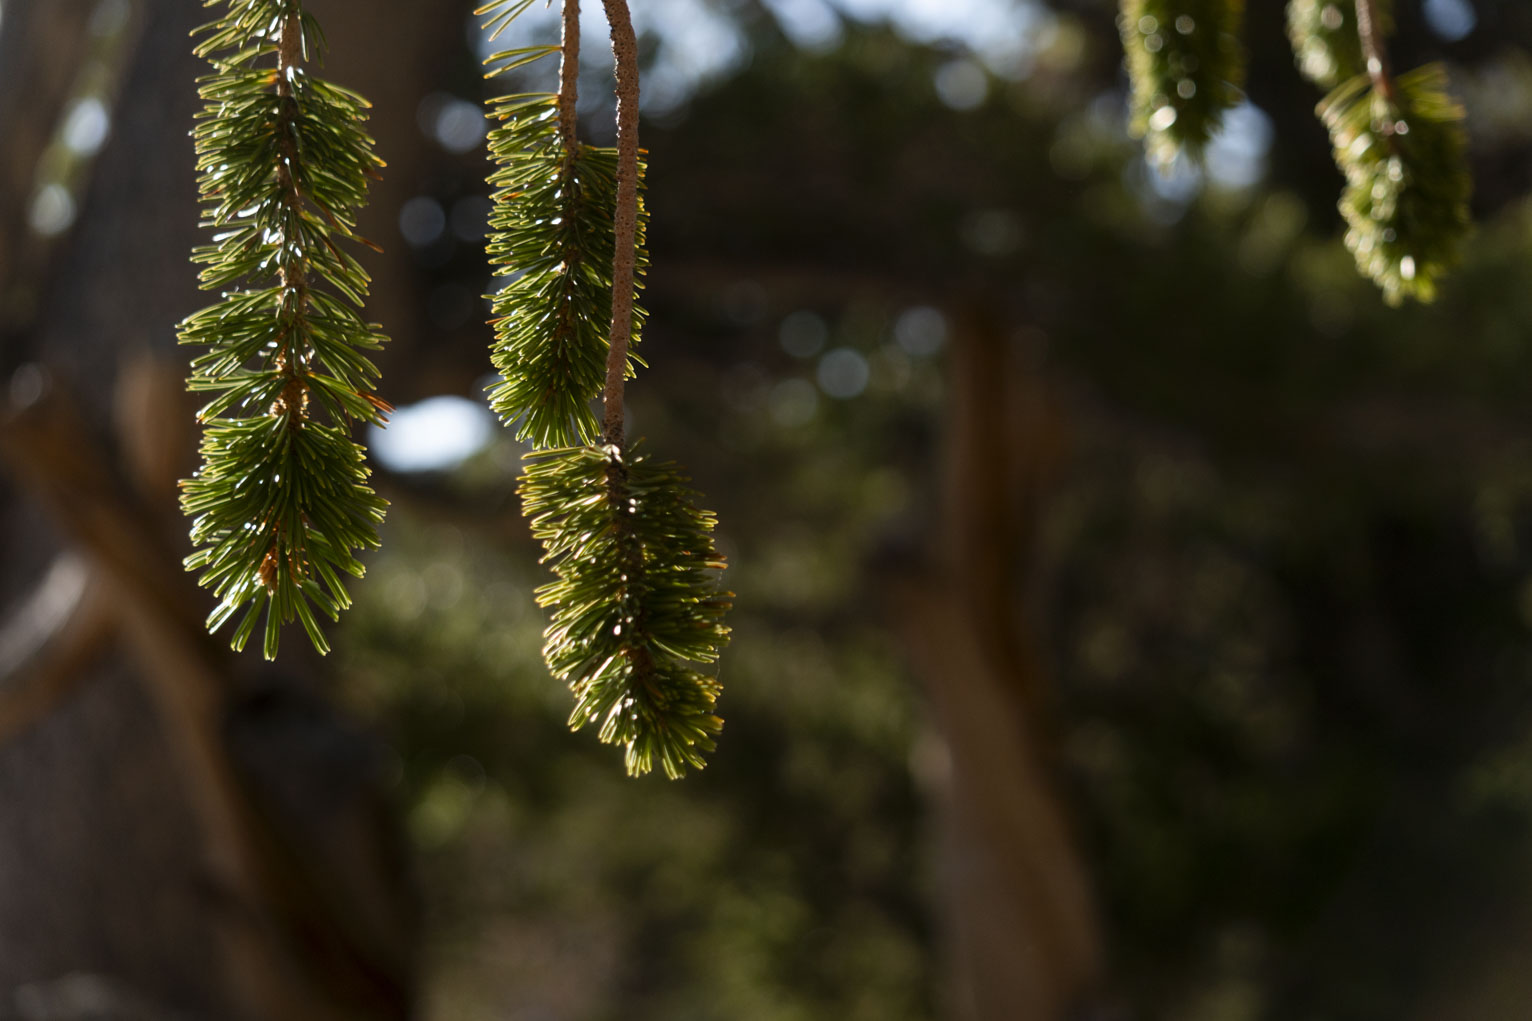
(422, 220)
(1005, 35)
(812, 25)
(1235, 160)
(698, 41)
(1451, 20)
(86, 125)
(435, 434)
(843, 373)
(456, 124)
(921, 331)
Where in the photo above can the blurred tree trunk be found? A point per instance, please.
(1018, 915)
(179, 830)
(37, 50)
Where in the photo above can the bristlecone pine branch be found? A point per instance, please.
(1325, 41)
(1407, 182)
(1187, 66)
(636, 605)
(281, 501)
(1398, 140)
(636, 602)
(551, 233)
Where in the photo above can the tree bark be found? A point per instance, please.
(1018, 916)
(197, 835)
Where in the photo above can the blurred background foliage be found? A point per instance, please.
(1282, 584)
(1285, 563)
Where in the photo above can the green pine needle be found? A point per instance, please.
(1407, 180)
(551, 234)
(636, 604)
(281, 499)
(1187, 65)
(1325, 41)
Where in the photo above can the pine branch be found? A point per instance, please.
(625, 227)
(1369, 31)
(569, 75)
(551, 234)
(1407, 182)
(636, 602)
(1326, 37)
(1187, 67)
(1398, 141)
(281, 501)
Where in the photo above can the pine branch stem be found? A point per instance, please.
(293, 272)
(634, 648)
(1374, 53)
(569, 78)
(568, 99)
(625, 55)
(292, 402)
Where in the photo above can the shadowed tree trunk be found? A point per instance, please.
(1019, 920)
(180, 830)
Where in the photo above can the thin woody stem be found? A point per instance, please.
(569, 76)
(1374, 55)
(625, 53)
(292, 402)
(293, 270)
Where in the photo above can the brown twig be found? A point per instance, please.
(47, 645)
(625, 54)
(569, 78)
(293, 273)
(292, 403)
(1374, 54)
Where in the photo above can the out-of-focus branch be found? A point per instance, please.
(48, 642)
(51, 55)
(37, 48)
(625, 222)
(1374, 53)
(295, 952)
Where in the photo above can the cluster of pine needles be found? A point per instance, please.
(636, 606)
(281, 502)
(1398, 140)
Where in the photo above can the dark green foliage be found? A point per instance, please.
(551, 233)
(1407, 181)
(1187, 66)
(1325, 41)
(281, 500)
(636, 603)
